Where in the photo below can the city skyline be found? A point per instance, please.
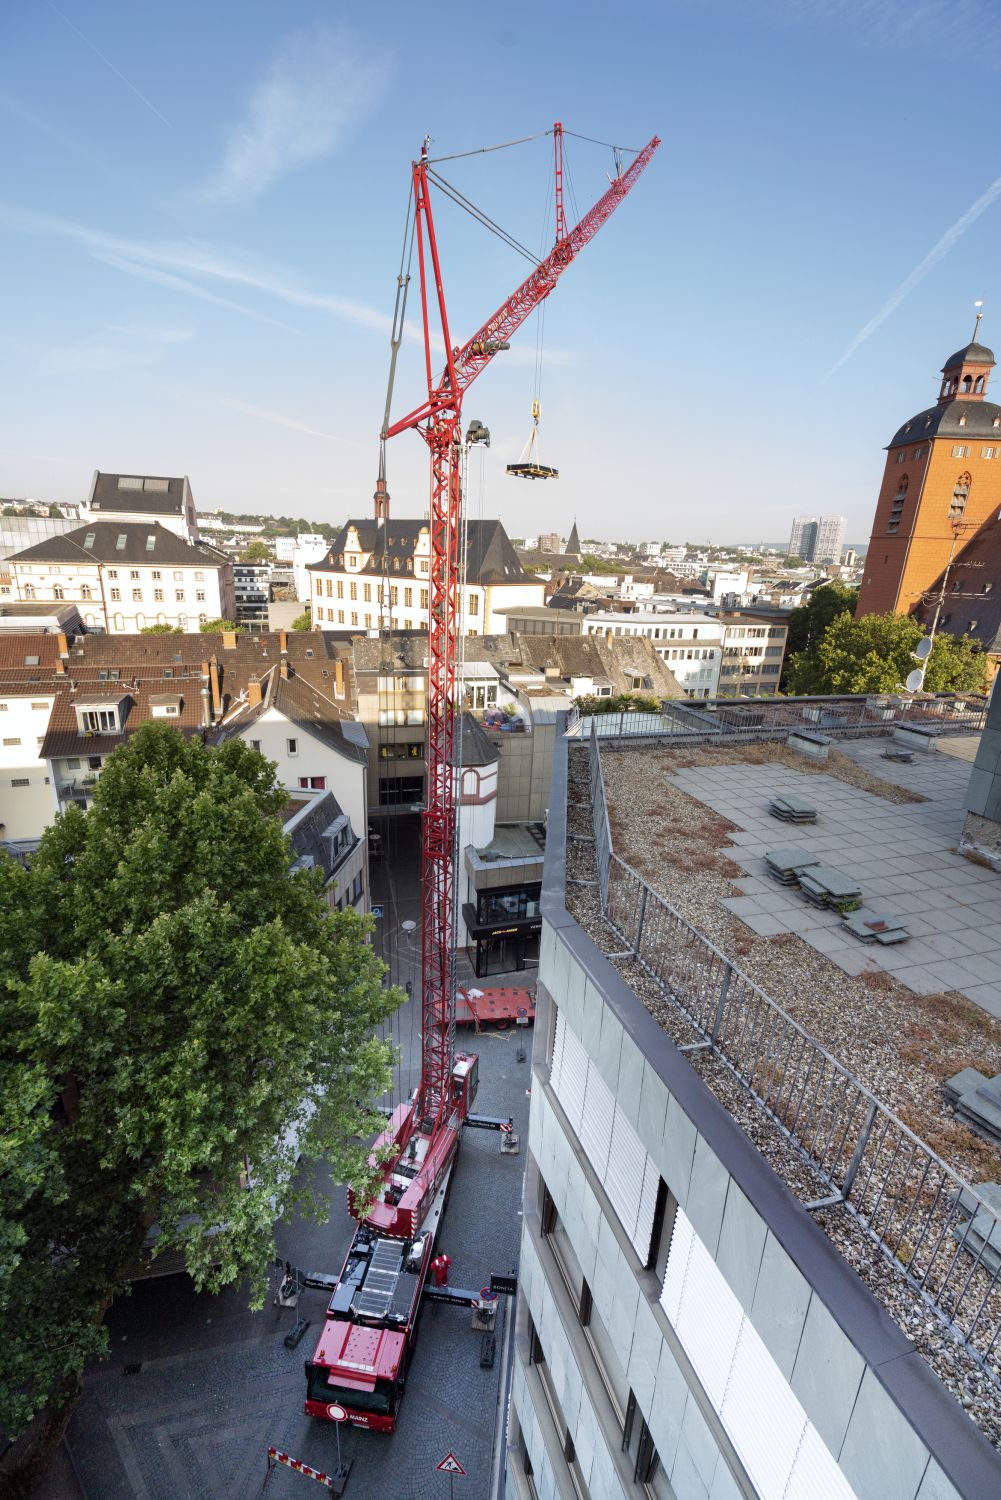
(205, 286)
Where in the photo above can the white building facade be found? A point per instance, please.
(126, 576)
(27, 791)
(368, 561)
(691, 645)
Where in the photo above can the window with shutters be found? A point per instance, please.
(648, 1471)
(537, 1359)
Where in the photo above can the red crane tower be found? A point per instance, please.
(438, 420)
(368, 1327)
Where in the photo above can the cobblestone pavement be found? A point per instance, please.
(217, 1386)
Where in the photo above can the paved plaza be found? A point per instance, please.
(903, 856)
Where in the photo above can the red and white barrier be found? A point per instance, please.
(276, 1456)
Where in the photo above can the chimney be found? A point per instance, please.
(206, 705)
(60, 667)
(254, 692)
(229, 640)
(215, 680)
(339, 678)
(283, 642)
(64, 645)
(285, 671)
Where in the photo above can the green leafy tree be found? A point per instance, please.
(174, 1007)
(808, 622)
(256, 551)
(213, 627)
(874, 655)
(55, 513)
(161, 630)
(303, 621)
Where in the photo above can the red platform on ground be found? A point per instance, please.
(480, 1007)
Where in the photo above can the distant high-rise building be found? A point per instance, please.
(941, 484)
(830, 539)
(803, 537)
(817, 539)
(550, 541)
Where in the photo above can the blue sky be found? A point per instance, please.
(201, 209)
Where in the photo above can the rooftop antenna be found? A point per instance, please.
(976, 327)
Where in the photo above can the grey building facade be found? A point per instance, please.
(685, 1329)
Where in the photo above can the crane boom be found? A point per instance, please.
(438, 421)
(474, 356)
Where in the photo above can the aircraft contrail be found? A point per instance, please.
(109, 64)
(920, 271)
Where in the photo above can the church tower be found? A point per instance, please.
(941, 483)
(572, 548)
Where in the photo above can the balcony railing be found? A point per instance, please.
(934, 1228)
(711, 720)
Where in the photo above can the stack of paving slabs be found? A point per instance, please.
(905, 757)
(784, 865)
(824, 886)
(792, 810)
(977, 1101)
(876, 927)
(980, 1231)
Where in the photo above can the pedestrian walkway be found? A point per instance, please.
(903, 856)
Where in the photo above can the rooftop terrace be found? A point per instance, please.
(831, 1055)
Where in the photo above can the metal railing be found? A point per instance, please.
(712, 720)
(918, 1210)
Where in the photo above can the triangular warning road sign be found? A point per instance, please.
(451, 1465)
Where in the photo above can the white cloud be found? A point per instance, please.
(125, 348)
(172, 264)
(319, 88)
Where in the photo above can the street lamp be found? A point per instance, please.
(916, 679)
(408, 928)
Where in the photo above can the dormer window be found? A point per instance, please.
(90, 539)
(962, 421)
(99, 720)
(151, 542)
(121, 542)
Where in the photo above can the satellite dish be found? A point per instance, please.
(923, 648)
(914, 680)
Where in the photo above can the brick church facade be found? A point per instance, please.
(941, 485)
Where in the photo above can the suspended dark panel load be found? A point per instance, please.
(528, 465)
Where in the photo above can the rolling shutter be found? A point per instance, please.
(609, 1141)
(779, 1446)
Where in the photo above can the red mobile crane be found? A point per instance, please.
(360, 1363)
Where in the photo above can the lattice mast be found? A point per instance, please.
(438, 420)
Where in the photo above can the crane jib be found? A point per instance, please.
(525, 299)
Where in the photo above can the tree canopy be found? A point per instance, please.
(176, 1008)
(213, 627)
(808, 622)
(256, 551)
(874, 655)
(161, 630)
(303, 621)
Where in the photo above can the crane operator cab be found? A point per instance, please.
(465, 1081)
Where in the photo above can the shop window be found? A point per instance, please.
(516, 904)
